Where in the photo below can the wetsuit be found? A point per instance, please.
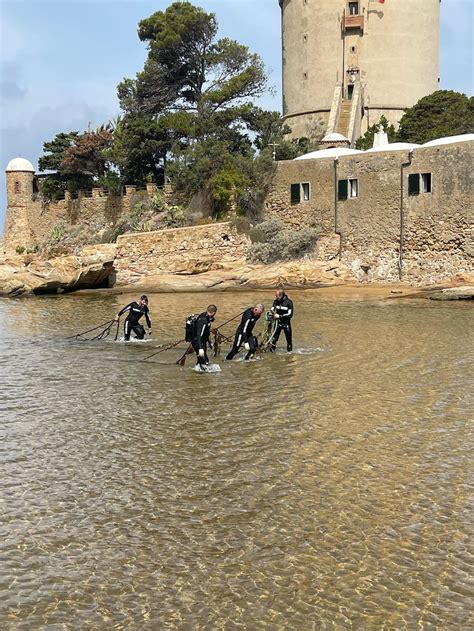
(283, 307)
(202, 332)
(244, 334)
(132, 322)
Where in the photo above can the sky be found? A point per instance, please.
(61, 60)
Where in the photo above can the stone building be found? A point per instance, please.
(347, 62)
(394, 212)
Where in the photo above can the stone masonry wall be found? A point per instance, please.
(178, 251)
(438, 226)
(31, 220)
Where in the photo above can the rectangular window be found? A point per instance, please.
(353, 8)
(353, 188)
(342, 190)
(305, 190)
(295, 193)
(426, 182)
(414, 184)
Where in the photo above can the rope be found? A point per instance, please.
(107, 325)
(269, 332)
(162, 348)
(231, 320)
(218, 340)
(102, 335)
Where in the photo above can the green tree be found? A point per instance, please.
(54, 185)
(55, 149)
(194, 92)
(367, 140)
(86, 156)
(139, 148)
(443, 113)
(188, 68)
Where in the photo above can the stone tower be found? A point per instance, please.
(347, 62)
(20, 175)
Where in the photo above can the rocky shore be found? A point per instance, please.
(94, 268)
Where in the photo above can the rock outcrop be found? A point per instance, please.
(30, 274)
(465, 292)
(242, 275)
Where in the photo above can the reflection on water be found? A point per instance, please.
(331, 488)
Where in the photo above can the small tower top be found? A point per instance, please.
(20, 164)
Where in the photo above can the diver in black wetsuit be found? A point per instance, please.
(243, 335)
(283, 312)
(136, 310)
(202, 332)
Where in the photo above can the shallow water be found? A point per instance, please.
(327, 489)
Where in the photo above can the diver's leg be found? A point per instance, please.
(235, 348)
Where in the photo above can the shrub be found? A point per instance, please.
(174, 216)
(33, 248)
(157, 202)
(57, 233)
(112, 182)
(241, 224)
(266, 231)
(19, 249)
(271, 242)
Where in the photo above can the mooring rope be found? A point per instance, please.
(104, 326)
(229, 321)
(162, 348)
(269, 332)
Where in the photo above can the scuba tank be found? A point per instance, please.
(190, 327)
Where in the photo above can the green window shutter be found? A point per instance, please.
(342, 189)
(295, 193)
(414, 184)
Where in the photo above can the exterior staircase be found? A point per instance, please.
(344, 118)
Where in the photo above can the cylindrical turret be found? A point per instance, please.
(390, 47)
(20, 175)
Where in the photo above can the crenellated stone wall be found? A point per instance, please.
(31, 219)
(190, 250)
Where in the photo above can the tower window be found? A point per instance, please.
(305, 38)
(305, 75)
(353, 8)
(17, 187)
(305, 191)
(353, 49)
